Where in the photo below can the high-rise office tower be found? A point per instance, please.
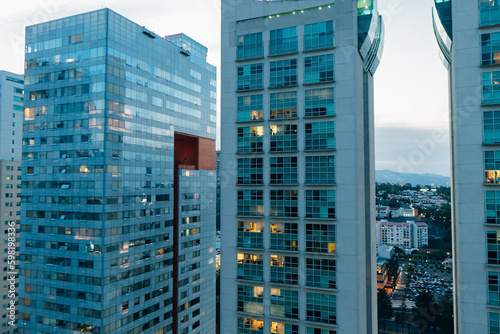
(297, 215)
(11, 121)
(118, 214)
(468, 34)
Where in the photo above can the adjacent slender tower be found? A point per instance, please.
(297, 166)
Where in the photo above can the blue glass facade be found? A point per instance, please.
(105, 97)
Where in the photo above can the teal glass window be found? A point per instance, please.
(250, 202)
(318, 36)
(250, 234)
(493, 207)
(284, 203)
(489, 12)
(320, 238)
(320, 204)
(250, 77)
(491, 87)
(250, 46)
(493, 244)
(284, 236)
(283, 41)
(313, 330)
(250, 171)
(282, 328)
(283, 73)
(283, 170)
(494, 322)
(490, 48)
(320, 169)
(250, 326)
(318, 69)
(319, 136)
(250, 139)
(283, 105)
(250, 108)
(250, 267)
(321, 273)
(492, 166)
(319, 102)
(283, 138)
(284, 303)
(321, 307)
(491, 130)
(250, 299)
(284, 269)
(493, 288)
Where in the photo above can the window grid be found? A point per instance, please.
(283, 138)
(250, 139)
(492, 207)
(250, 108)
(322, 308)
(250, 46)
(250, 326)
(318, 36)
(250, 171)
(283, 73)
(283, 170)
(320, 136)
(284, 236)
(250, 77)
(250, 267)
(493, 288)
(319, 102)
(284, 269)
(490, 12)
(321, 273)
(250, 202)
(283, 105)
(282, 41)
(490, 48)
(491, 87)
(250, 299)
(283, 203)
(321, 238)
(281, 328)
(318, 69)
(284, 303)
(320, 204)
(493, 243)
(320, 169)
(250, 234)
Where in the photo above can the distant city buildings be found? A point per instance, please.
(119, 181)
(407, 235)
(297, 214)
(11, 125)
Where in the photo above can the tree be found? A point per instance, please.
(422, 313)
(384, 306)
(446, 317)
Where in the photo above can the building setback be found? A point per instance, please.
(118, 214)
(468, 34)
(297, 229)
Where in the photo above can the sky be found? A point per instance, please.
(411, 83)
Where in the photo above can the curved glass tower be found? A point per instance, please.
(468, 35)
(297, 166)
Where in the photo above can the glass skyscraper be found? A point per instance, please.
(297, 219)
(118, 212)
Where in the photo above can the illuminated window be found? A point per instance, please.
(250, 299)
(250, 326)
(492, 166)
(250, 267)
(250, 139)
(283, 105)
(250, 108)
(490, 48)
(284, 236)
(321, 238)
(491, 87)
(281, 328)
(283, 138)
(250, 234)
(284, 269)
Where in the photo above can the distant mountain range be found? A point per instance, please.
(388, 176)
